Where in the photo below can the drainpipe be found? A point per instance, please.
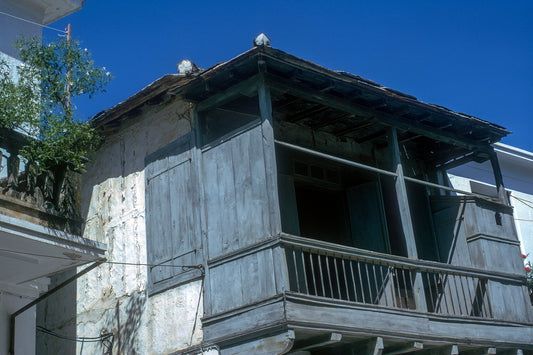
(42, 297)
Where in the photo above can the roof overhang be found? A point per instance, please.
(48, 11)
(30, 251)
(361, 105)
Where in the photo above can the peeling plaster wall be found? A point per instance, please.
(113, 298)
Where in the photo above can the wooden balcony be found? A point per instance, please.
(340, 273)
(319, 290)
(40, 225)
(49, 198)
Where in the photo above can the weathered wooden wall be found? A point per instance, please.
(237, 201)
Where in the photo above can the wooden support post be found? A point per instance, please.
(498, 178)
(401, 193)
(267, 127)
(409, 348)
(405, 217)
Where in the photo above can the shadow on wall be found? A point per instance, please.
(57, 325)
(126, 323)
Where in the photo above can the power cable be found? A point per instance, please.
(32, 22)
(105, 262)
(77, 339)
(523, 201)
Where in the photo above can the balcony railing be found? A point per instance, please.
(52, 192)
(335, 272)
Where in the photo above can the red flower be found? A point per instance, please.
(527, 268)
(524, 256)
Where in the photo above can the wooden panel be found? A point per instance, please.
(172, 213)
(158, 227)
(269, 154)
(226, 287)
(448, 219)
(243, 280)
(236, 195)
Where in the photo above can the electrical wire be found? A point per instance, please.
(77, 339)
(32, 22)
(105, 262)
(523, 201)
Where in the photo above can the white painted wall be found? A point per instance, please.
(517, 170)
(10, 302)
(13, 29)
(13, 297)
(113, 298)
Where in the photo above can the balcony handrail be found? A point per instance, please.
(321, 247)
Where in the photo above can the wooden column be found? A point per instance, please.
(267, 127)
(498, 178)
(405, 217)
(401, 194)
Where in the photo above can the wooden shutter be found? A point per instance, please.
(172, 215)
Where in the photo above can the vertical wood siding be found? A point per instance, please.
(236, 195)
(172, 215)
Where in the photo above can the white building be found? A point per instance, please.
(35, 240)
(517, 170)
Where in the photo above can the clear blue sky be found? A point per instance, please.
(474, 57)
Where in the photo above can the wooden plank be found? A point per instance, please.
(250, 187)
(267, 126)
(401, 192)
(212, 202)
(228, 232)
(251, 277)
(260, 184)
(281, 273)
(405, 216)
(243, 188)
(160, 232)
(201, 228)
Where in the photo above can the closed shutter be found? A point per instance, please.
(172, 215)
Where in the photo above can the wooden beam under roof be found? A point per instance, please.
(364, 124)
(317, 342)
(297, 89)
(404, 349)
(243, 87)
(306, 113)
(373, 346)
(327, 122)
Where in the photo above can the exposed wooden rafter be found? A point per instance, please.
(343, 104)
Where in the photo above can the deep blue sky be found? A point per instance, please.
(474, 57)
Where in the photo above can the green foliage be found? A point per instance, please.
(36, 99)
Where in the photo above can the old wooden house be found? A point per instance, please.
(268, 205)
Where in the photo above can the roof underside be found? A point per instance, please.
(339, 103)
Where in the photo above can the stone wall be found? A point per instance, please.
(113, 298)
